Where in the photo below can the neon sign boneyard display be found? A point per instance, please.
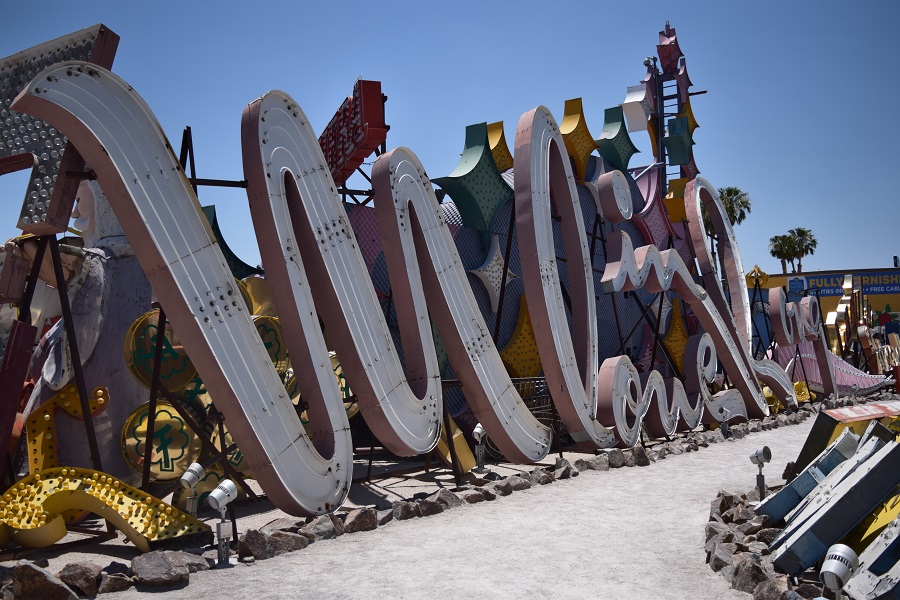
(305, 237)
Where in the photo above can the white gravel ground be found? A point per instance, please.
(626, 533)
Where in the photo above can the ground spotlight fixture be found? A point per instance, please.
(189, 481)
(841, 562)
(218, 499)
(760, 458)
(478, 433)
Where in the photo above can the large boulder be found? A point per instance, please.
(749, 574)
(720, 557)
(563, 469)
(540, 477)
(600, 462)
(501, 487)
(426, 507)
(361, 519)
(32, 581)
(81, 576)
(285, 541)
(640, 456)
(714, 436)
(404, 510)
(447, 498)
(325, 527)
(261, 545)
(738, 515)
(714, 528)
(166, 567)
(725, 537)
(257, 544)
(471, 496)
(616, 458)
(722, 504)
(773, 589)
(488, 493)
(583, 465)
(282, 524)
(113, 582)
(517, 484)
(768, 535)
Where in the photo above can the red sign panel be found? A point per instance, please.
(355, 131)
(865, 412)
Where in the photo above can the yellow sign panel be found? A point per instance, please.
(31, 510)
(176, 369)
(175, 445)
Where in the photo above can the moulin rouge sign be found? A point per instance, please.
(316, 269)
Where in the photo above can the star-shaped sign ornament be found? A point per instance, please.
(499, 148)
(638, 106)
(476, 184)
(614, 144)
(674, 200)
(678, 141)
(688, 114)
(668, 50)
(689, 170)
(684, 82)
(520, 355)
(579, 142)
(491, 273)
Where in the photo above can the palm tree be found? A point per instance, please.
(736, 202)
(783, 247)
(805, 244)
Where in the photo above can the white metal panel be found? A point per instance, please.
(629, 268)
(542, 168)
(120, 139)
(736, 310)
(637, 107)
(292, 192)
(414, 234)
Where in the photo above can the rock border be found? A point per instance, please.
(737, 539)
(162, 569)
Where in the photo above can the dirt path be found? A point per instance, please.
(626, 533)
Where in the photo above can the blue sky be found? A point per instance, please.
(801, 109)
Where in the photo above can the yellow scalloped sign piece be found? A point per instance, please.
(31, 510)
(40, 426)
(520, 355)
(578, 139)
(503, 158)
(676, 337)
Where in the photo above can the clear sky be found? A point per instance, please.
(801, 111)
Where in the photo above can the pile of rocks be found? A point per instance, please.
(737, 539)
(162, 568)
(737, 547)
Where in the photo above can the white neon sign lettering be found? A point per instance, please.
(302, 227)
(115, 131)
(305, 236)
